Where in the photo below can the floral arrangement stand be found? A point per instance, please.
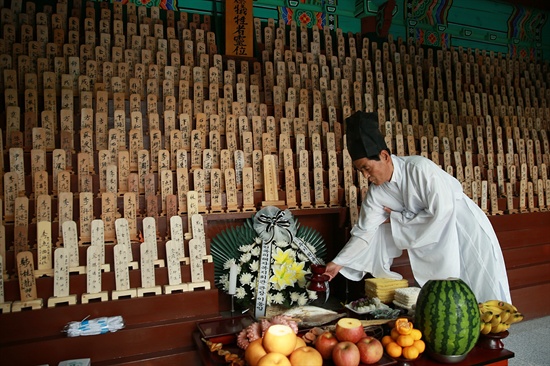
(273, 255)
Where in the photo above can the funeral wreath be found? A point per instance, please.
(272, 254)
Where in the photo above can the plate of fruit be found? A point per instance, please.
(366, 305)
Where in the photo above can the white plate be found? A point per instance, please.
(381, 307)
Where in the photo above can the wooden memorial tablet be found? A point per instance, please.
(123, 237)
(5, 306)
(122, 275)
(70, 242)
(11, 192)
(150, 234)
(130, 214)
(494, 200)
(531, 198)
(177, 236)
(86, 205)
(271, 189)
(61, 280)
(215, 191)
(305, 194)
(196, 251)
(248, 189)
(93, 276)
(27, 284)
(197, 225)
(44, 249)
(166, 187)
(174, 269)
(192, 208)
(318, 185)
(148, 283)
(333, 187)
(109, 215)
(17, 167)
(136, 145)
(540, 195)
(231, 190)
(99, 242)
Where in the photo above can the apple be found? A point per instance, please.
(349, 329)
(254, 352)
(306, 356)
(370, 350)
(325, 343)
(346, 354)
(274, 359)
(279, 338)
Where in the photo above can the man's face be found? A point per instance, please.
(376, 171)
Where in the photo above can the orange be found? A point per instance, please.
(416, 334)
(394, 350)
(394, 334)
(405, 340)
(403, 326)
(410, 353)
(419, 345)
(386, 339)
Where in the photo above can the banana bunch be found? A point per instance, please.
(497, 316)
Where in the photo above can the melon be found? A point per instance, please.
(448, 317)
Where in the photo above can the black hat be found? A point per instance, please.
(363, 137)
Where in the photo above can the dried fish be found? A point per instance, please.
(312, 316)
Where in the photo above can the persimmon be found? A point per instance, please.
(419, 345)
(416, 334)
(403, 326)
(410, 353)
(394, 350)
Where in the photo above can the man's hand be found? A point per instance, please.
(332, 270)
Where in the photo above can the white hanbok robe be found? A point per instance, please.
(445, 233)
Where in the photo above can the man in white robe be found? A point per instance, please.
(415, 205)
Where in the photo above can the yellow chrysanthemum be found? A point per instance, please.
(283, 257)
(298, 268)
(283, 276)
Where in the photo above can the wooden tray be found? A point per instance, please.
(225, 331)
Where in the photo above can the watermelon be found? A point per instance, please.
(448, 316)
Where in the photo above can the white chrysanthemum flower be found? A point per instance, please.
(256, 251)
(281, 243)
(312, 295)
(240, 293)
(294, 296)
(227, 264)
(245, 278)
(254, 266)
(224, 281)
(245, 248)
(302, 300)
(302, 257)
(245, 257)
(278, 298)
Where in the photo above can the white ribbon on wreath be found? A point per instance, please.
(273, 224)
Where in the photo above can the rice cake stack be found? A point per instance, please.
(383, 288)
(406, 297)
